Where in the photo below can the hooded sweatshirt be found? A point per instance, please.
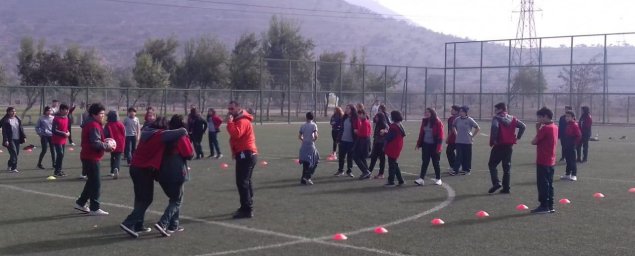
(44, 126)
(151, 148)
(504, 129)
(115, 130)
(394, 140)
(93, 145)
(60, 127)
(241, 134)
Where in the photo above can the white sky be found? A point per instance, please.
(494, 19)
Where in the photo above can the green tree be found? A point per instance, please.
(528, 81)
(162, 51)
(328, 76)
(81, 69)
(582, 79)
(245, 62)
(149, 74)
(282, 43)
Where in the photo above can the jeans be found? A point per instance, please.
(115, 161)
(544, 181)
(59, 152)
(463, 157)
(93, 185)
(245, 163)
(394, 171)
(569, 156)
(213, 143)
(361, 153)
(334, 135)
(143, 182)
(131, 145)
(45, 142)
(583, 148)
(498, 154)
(198, 148)
(174, 191)
(450, 152)
(345, 153)
(378, 152)
(307, 170)
(429, 152)
(14, 151)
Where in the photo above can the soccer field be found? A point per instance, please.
(290, 219)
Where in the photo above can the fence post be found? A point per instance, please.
(200, 99)
(605, 84)
(480, 86)
(571, 74)
(628, 109)
(127, 98)
(260, 85)
(405, 110)
(337, 103)
(509, 76)
(289, 96)
(363, 82)
(425, 88)
(315, 88)
(385, 84)
(445, 75)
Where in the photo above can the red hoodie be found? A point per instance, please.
(241, 134)
(437, 133)
(116, 131)
(573, 133)
(363, 130)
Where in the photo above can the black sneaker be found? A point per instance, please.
(243, 215)
(129, 231)
(389, 185)
(540, 210)
(59, 174)
(551, 210)
(364, 176)
(466, 173)
(177, 229)
(453, 173)
(39, 166)
(494, 188)
(505, 191)
(350, 174)
(338, 173)
(161, 230)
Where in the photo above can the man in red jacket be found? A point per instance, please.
(115, 130)
(93, 147)
(61, 131)
(502, 139)
(243, 145)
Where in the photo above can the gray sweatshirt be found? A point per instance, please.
(44, 126)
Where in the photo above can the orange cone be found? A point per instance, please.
(339, 237)
(598, 195)
(482, 214)
(564, 201)
(380, 230)
(437, 222)
(521, 207)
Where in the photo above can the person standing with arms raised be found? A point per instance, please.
(242, 140)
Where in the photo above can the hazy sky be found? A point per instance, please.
(495, 19)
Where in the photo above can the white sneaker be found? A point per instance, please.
(419, 181)
(14, 171)
(73, 144)
(219, 156)
(574, 178)
(99, 212)
(83, 209)
(83, 177)
(116, 174)
(438, 182)
(565, 177)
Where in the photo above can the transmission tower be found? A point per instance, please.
(525, 47)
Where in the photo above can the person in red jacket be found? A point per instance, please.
(502, 139)
(93, 148)
(572, 138)
(450, 141)
(61, 132)
(393, 146)
(115, 130)
(243, 145)
(213, 124)
(430, 142)
(545, 141)
(362, 144)
(146, 162)
(585, 125)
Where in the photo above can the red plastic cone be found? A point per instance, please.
(564, 201)
(521, 207)
(224, 166)
(297, 161)
(598, 195)
(631, 190)
(264, 163)
(482, 214)
(437, 222)
(339, 237)
(71, 149)
(380, 230)
(30, 150)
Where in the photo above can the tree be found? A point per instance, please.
(244, 64)
(434, 84)
(582, 79)
(528, 81)
(81, 69)
(149, 75)
(162, 51)
(3, 75)
(329, 73)
(204, 65)
(283, 41)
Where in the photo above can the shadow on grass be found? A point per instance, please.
(440, 199)
(42, 179)
(364, 190)
(41, 218)
(53, 245)
(468, 222)
(289, 183)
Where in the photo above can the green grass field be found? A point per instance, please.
(38, 216)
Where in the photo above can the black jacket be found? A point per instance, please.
(196, 128)
(7, 132)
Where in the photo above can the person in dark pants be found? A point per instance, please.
(43, 128)
(196, 127)
(115, 130)
(346, 140)
(309, 156)
(450, 141)
(336, 128)
(243, 144)
(362, 144)
(172, 176)
(93, 148)
(12, 137)
(586, 122)
(71, 119)
(381, 124)
(393, 146)
(213, 125)
(502, 139)
(545, 141)
(570, 141)
(465, 129)
(562, 127)
(146, 162)
(133, 131)
(430, 142)
(60, 137)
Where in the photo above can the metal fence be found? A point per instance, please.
(477, 73)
